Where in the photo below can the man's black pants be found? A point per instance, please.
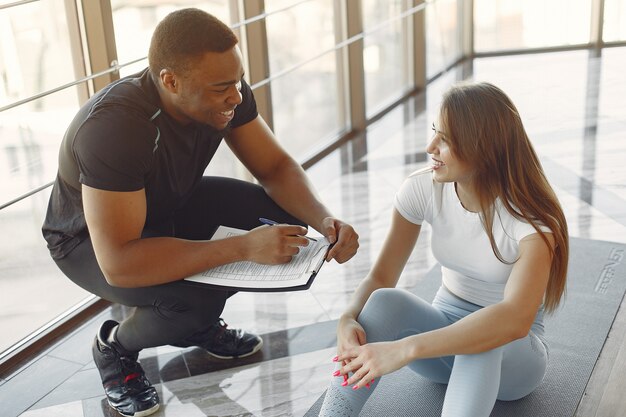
(169, 312)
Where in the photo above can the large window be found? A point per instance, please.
(385, 70)
(305, 100)
(513, 24)
(442, 35)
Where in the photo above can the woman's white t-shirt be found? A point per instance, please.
(459, 242)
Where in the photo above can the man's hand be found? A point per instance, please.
(272, 245)
(344, 238)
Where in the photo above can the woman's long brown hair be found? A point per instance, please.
(485, 129)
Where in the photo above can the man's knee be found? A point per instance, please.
(193, 305)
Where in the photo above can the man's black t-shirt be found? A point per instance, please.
(121, 140)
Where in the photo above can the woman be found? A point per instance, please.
(501, 237)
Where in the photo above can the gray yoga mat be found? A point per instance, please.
(575, 333)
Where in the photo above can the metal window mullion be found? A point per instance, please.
(466, 33)
(408, 61)
(100, 40)
(258, 58)
(76, 47)
(16, 3)
(341, 61)
(597, 23)
(234, 13)
(355, 68)
(418, 25)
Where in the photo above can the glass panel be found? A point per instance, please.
(30, 135)
(33, 291)
(305, 107)
(35, 52)
(273, 5)
(614, 20)
(135, 20)
(513, 24)
(310, 28)
(305, 101)
(442, 38)
(383, 60)
(35, 56)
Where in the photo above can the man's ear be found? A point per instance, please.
(169, 80)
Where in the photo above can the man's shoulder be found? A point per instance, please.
(131, 96)
(121, 115)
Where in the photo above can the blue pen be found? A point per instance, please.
(272, 223)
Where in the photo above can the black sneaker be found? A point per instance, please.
(127, 389)
(224, 343)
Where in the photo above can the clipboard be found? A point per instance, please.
(296, 275)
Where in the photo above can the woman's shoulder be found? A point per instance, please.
(416, 197)
(422, 177)
(424, 180)
(422, 172)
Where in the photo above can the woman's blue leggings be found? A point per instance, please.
(474, 381)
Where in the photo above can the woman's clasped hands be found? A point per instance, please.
(363, 362)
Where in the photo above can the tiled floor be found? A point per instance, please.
(574, 109)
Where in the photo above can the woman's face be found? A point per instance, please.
(446, 166)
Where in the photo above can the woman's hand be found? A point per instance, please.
(371, 361)
(350, 334)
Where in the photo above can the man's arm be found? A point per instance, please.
(287, 184)
(116, 220)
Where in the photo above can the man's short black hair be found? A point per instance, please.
(184, 35)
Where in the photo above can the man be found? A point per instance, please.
(130, 213)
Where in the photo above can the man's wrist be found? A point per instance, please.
(239, 248)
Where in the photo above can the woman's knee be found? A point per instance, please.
(398, 303)
(524, 366)
(512, 389)
(394, 313)
(384, 301)
(386, 297)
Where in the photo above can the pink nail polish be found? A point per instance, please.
(356, 387)
(344, 383)
(336, 358)
(336, 373)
